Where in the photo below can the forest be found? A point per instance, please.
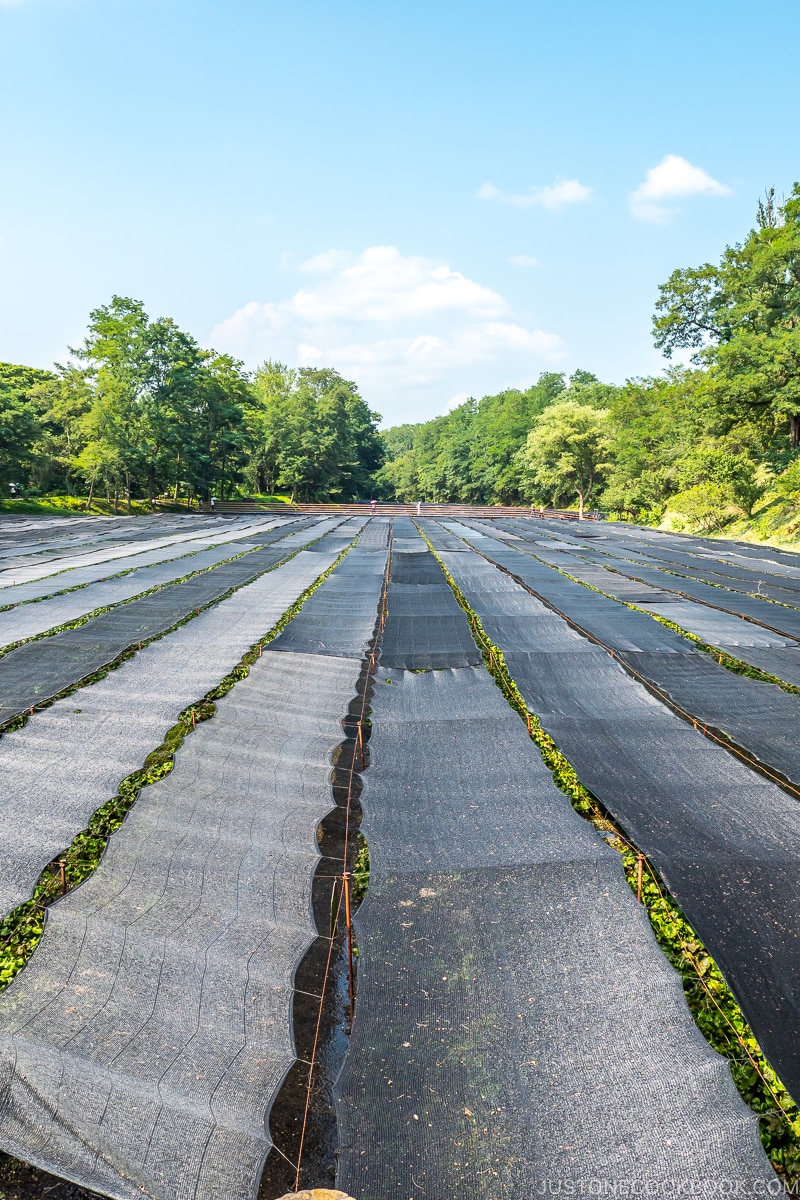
(707, 442)
(141, 411)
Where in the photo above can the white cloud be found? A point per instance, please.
(552, 196)
(323, 264)
(396, 324)
(524, 260)
(673, 178)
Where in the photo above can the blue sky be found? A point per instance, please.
(439, 199)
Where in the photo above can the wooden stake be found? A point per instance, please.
(193, 720)
(63, 867)
(639, 869)
(349, 925)
(361, 745)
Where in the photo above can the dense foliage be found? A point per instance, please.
(141, 410)
(704, 442)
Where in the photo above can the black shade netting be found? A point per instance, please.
(725, 840)
(756, 716)
(425, 628)
(70, 759)
(58, 565)
(142, 1047)
(70, 576)
(340, 618)
(40, 670)
(773, 616)
(375, 535)
(517, 1028)
(29, 620)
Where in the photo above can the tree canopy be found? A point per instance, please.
(568, 450)
(141, 410)
(741, 316)
(313, 434)
(470, 454)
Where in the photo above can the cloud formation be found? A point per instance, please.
(395, 323)
(552, 196)
(524, 260)
(673, 178)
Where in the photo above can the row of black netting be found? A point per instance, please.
(754, 715)
(424, 626)
(78, 535)
(698, 576)
(69, 571)
(776, 653)
(517, 1030)
(29, 620)
(70, 758)
(725, 839)
(143, 1045)
(41, 669)
(23, 570)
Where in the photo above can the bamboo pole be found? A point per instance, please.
(349, 925)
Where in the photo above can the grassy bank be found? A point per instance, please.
(775, 522)
(76, 505)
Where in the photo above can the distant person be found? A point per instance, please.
(373, 506)
(14, 491)
(419, 508)
(213, 503)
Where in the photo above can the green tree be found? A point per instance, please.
(63, 401)
(568, 450)
(214, 449)
(742, 319)
(470, 454)
(115, 354)
(312, 434)
(145, 377)
(654, 424)
(20, 424)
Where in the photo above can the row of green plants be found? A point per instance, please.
(21, 929)
(710, 1000)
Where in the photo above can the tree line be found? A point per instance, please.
(708, 439)
(141, 411)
